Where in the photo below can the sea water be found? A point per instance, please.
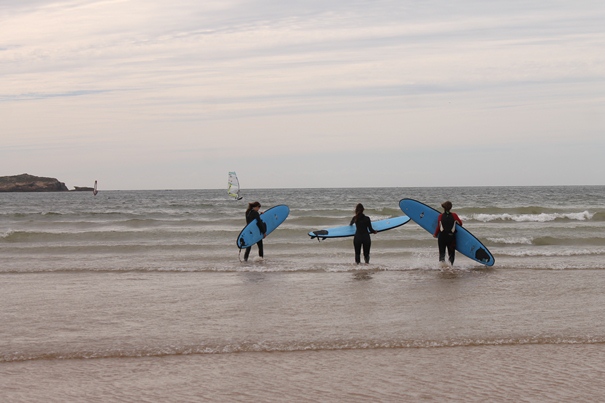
(142, 296)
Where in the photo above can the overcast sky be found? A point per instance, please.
(157, 94)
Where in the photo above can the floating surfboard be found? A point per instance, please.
(272, 217)
(349, 230)
(466, 243)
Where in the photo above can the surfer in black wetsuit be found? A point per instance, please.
(445, 232)
(362, 234)
(251, 215)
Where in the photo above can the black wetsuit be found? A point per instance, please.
(362, 237)
(446, 239)
(251, 216)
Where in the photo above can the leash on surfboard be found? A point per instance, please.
(240, 244)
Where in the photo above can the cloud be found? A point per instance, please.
(271, 78)
(35, 96)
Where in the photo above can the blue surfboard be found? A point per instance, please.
(272, 217)
(466, 243)
(349, 230)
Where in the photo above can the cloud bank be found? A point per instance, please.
(147, 94)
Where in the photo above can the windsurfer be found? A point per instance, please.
(233, 186)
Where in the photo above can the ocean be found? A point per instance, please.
(142, 296)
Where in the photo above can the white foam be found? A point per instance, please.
(6, 234)
(541, 252)
(542, 217)
(512, 240)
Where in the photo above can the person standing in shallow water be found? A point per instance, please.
(362, 238)
(252, 213)
(445, 232)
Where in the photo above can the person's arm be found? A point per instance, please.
(458, 220)
(370, 226)
(259, 223)
(437, 230)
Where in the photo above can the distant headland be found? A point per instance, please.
(30, 183)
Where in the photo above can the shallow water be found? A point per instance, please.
(140, 296)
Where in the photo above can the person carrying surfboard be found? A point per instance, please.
(252, 213)
(361, 238)
(445, 232)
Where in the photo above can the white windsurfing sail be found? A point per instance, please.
(94, 190)
(233, 189)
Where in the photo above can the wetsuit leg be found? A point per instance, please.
(442, 243)
(357, 246)
(260, 248)
(451, 249)
(367, 244)
(247, 253)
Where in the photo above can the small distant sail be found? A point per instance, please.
(233, 189)
(94, 190)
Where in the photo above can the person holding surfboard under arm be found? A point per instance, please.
(361, 239)
(251, 215)
(445, 232)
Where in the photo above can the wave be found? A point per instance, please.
(521, 240)
(169, 232)
(549, 240)
(160, 235)
(251, 346)
(599, 216)
(541, 217)
(341, 265)
(553, 253)
(546, 241)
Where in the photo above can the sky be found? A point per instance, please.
(157, 94)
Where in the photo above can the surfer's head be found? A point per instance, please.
(447, 205)
(359, 209)
(252, 206)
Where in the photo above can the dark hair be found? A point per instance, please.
(358, 211)
(447, 205)
(251, 206)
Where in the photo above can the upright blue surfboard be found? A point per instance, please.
(466, 243)
(272, 217)
(349, 230)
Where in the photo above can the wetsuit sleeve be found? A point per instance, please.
(458, 220)
(437, 229)
(253, 215)
(261, 225)
(370, 224)
(352, 221)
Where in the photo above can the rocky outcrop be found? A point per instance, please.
(83, 189)
(30, 183)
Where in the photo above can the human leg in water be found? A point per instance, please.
(249, 249)
(261, 252)
(442, 245)
(451, 249)
(447, 241)
(367, 244)
(357, 245)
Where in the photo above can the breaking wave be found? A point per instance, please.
(542, 217)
